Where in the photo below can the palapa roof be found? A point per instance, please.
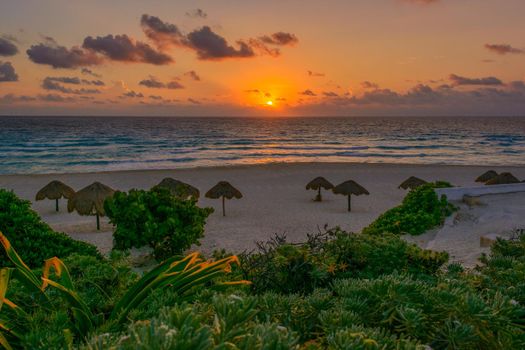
(503, 178)
(486, 176)
(412, 182)
(178, 188)
(90, 199)
(55, 190)
(223, 189)
(318, 182)
(350, 187)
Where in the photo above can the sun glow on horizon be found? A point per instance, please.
(269, 103)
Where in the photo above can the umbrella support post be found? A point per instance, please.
(223, 210)
(98, 223)
(318, 198)
(56, 205)
(349, 203)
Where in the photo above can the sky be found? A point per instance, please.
(262, 58)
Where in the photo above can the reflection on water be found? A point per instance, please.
(70, 144)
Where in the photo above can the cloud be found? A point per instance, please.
(423, 100)
(193, 75)
(174, 85)
(517, 85)
(458, 80)
(55, 98)
(154, 83)
(90, 72)
(125, 49)
(211, 46)
(308, 92)
(252, 91)
(197, 13)
(132, 94)
(193, 101)
(155, 97)
(280, 38)
(7, 48)
(53, 83)
(330, 94)
(163, 34)
(503, 49)
(7, 72)
(11, 98)
(93, 82)
(65, 80)
(61, 57)
(315, 74)
(369, 85)
(76, 81)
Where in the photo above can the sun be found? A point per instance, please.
(269, 103)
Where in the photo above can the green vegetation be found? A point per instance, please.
(56, 292)
(337, 290)
(420, 210)
(438, 309)
(299, 268)
(367, 292)
(35, 240)
(155, 218)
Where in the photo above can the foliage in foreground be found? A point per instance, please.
(299, 268)
(55, 289)
(34, 239)
(227, 322)
(420, 211)
(439, 310)
(503, 270)
(155, 218)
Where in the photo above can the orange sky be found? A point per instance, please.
(360, 57)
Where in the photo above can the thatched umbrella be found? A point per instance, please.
(223, 190)
(486, 176)
(503, 178)
(412, 182)
(179, 189)
(317, 184)
(349, 188)
(55, 190)
(90, 200)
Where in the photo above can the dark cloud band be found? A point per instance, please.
(7, 48)
(7, 72)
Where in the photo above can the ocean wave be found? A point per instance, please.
(96, 144)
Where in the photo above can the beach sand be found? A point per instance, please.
(275, 201)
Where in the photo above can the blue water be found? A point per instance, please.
(85, 144)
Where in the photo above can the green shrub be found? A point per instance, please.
(361, 255)
(228, 322)
(420, 211)
(156, 219)
(398, 311)
(299, 268)
(362, 338)
(443, 314)
(503, 271)
(34, 240)
(55, 293)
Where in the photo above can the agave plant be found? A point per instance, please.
(179, 275)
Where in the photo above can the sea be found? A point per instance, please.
(30, 145)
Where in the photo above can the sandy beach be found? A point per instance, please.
(275, 201)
